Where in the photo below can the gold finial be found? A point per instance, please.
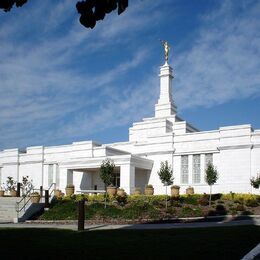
(166, 50)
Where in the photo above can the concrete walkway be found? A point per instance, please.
(224, 223)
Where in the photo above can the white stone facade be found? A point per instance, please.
(234, 151)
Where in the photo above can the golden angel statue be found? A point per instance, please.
(166, 50)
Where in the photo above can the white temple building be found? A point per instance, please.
(233, 150)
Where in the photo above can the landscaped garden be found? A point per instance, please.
(145, 208)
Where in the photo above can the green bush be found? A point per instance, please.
(239, 196)
(191, 199)
(251, 203)
(204, 201)
(240, 207)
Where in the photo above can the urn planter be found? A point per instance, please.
(111, 190)
(190, 191)
(137, 191)
(13, 193)
(35, 197)
(2, 193)
(57, 193)
(121, 192)
(149, 190)
(175, 191)
(70, 189)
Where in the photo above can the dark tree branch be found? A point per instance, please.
(90, 11)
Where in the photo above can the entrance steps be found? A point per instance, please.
(8, 211)
(8, 208)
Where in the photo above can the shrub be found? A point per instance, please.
(240, 207)
(219, 211)
(191, 199)
(149, 186)
(204, 201)
(216, 196)
(251, 203)
(239, 196)
(255, 181)
(122, 200)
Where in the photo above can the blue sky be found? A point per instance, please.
(60, 82)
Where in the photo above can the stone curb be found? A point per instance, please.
(255, 252)
(143, 221)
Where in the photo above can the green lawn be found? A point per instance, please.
(210, 243)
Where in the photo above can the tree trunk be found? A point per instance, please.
(166, 198)
(210, 195)
(105, 196)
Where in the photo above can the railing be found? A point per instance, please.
(49, 194)
(53, 187)
(25, 199)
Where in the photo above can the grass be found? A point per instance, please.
(211, 243)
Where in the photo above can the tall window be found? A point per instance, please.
(116, 179)
(196, 168)
(208, 159)
(50, 174)
(184, 169)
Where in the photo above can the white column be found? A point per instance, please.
(57, 176)
(45, 176)
(54, 173)
(66, 177)
(127, 178)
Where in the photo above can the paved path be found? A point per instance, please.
(229, 222)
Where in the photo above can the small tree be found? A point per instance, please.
(211, 178)
(10, 184)
(255, 181)
(106, 174)
(165, 175)
(26, 185)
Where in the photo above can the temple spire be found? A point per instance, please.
(165, 106)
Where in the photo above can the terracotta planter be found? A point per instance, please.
(121, 193)
(149, 191)
(175, 191)
(35, 198)
(70, 191)
(137, 192)
(190, 191)
(57, 193)
(111, 191)
(2, 193)
(13, 193)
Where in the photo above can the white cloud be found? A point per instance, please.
(223, 63)
(42, 94)
(59, 82)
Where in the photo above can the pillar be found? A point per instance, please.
(66, 177)
(127, 178)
